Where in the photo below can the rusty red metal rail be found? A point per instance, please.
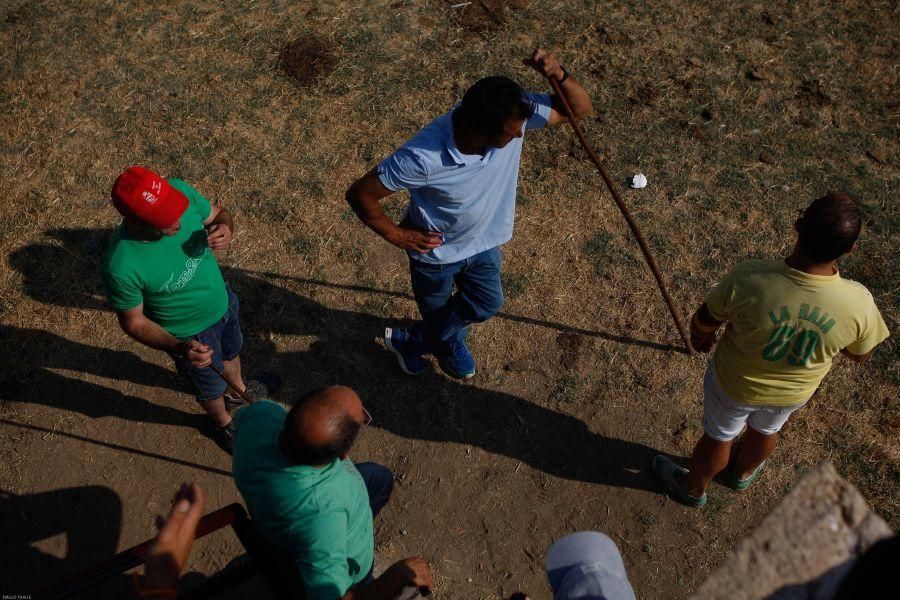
(137, 555)
(276, 568)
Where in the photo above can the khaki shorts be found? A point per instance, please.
(724, 419)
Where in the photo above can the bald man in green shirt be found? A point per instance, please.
(307, 498)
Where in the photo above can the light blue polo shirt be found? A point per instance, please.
(469, 198)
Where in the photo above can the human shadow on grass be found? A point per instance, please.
(90, 518)
(434, 408)
(431, 407)
(35, 354)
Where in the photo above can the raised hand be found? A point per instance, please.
(544, 62)
(176, 536)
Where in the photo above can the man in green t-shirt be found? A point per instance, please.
(308, 499)
(787, 319)
(163, 281)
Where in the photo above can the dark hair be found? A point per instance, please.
(345, 431)
(829, 227)
(491, 102)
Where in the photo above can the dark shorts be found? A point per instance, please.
(226, 340)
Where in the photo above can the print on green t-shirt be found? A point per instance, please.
(176, 278)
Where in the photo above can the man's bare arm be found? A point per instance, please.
(365, 196)
(138, 326)
(703, 329)
(858, 358)
(548, 65)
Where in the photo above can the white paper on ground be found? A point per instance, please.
(639, 181)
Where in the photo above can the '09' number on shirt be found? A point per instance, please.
(800, 344)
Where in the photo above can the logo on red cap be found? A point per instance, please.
(143, 195)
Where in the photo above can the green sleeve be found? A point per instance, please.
(260, 411)
(123, 292)
(319, 547)
(195, 199)
(721, 298)
(872, 331)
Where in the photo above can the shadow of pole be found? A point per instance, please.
(502, 315)
(112, 446)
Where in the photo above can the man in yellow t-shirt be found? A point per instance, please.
(786, 321)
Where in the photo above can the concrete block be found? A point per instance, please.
(804, 547)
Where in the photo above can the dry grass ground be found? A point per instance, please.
(739, 113)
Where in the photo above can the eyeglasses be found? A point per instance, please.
(367, 420)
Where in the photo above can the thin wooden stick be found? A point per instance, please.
(625, 213)
(230, 383)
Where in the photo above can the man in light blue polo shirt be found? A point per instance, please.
(461, 171)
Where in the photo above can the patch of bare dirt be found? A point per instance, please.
(645, 95)
(611, 36)
(570, 343)
(307, 59)
(481, 16)
(811, 94)
(878, 154)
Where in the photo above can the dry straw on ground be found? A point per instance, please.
(738, 113)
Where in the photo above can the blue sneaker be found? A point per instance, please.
(397, 341)
(456, 360)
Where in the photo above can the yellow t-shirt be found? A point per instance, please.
(784, 327)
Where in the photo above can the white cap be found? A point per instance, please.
(587, 566)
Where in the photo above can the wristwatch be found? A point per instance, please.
(565, 75)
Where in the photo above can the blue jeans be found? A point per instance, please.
(445, 315)
(226, 340)
(379, 484)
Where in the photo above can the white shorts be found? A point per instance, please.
(724, 419)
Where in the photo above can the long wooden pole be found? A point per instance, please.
(625, 213)
(231, 384)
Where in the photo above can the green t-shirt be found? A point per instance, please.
(321, 516)
(175, 277)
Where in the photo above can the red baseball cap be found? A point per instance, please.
(141, 194)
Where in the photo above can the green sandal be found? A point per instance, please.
(742, 484)
(668, 473)
(729, 477)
